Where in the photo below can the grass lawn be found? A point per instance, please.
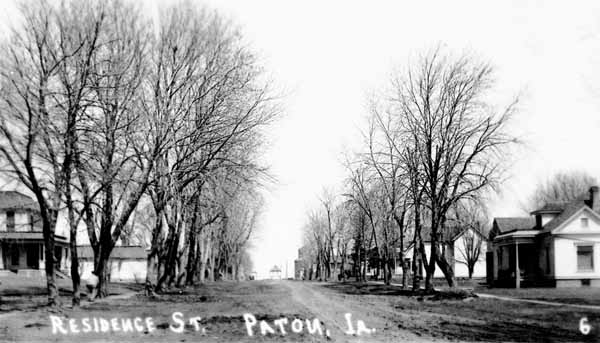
(18, 292)
(477, 319)
(580, 295)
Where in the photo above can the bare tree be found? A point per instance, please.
(343, 229)
(99, 113)
(203, 72)
(45, 80)
(383, 144)
(472, 220)
(562, 186)
(442, 106)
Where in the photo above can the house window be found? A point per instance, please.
(33, 256)
(585, 257)
(10, 221)
(500, 257)
(584, 222)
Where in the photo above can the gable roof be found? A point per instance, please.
(13, 200)
(130, 252)
(448, 234)
(275, 269)
(508, 224)
(570, 210)
(563, 210)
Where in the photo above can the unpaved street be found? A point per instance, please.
(287, 311)
(331, 307)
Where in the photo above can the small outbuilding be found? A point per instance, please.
(275, 273)
(127, 263)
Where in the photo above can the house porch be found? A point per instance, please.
(515, 262)
(29, 255)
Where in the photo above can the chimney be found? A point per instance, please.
(595, 198)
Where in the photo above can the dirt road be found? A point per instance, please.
(285, 311)
(332, 308)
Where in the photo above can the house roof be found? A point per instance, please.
(569, 210)
(508, 224)
(552, 207)
(13, 200)
(275, 269)
(564, 210)
(448, 234)
(132, 252)
(28, 236)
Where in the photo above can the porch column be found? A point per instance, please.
(517, 272)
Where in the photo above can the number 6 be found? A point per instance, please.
(584, 326)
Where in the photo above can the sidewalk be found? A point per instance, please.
(539, 302)
(505, 298)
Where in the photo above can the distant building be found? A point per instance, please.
(301, 264)
(558, 245)
(306, 269)
(126, 263)
(275, 273)
(21, 238)
(458, 243)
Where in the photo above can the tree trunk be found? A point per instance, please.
(430, 267)
(445, 267)
(204, 259)
(400, 223)
(357, 265)
(49, 265)
(102, 271)
(75, 278)
(211, 267)
(342, 265)
(405, 270)
(416, 266)
(191, 259)
(151, 271)
(364, 267)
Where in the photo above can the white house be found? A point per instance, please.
(22, 247)
(460, 245)
(559, 245)
(127, 263)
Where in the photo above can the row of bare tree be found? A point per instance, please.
(435, 145)
(105, 114)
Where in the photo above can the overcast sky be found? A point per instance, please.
(329, 55)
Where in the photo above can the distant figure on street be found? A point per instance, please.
(92, 285)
